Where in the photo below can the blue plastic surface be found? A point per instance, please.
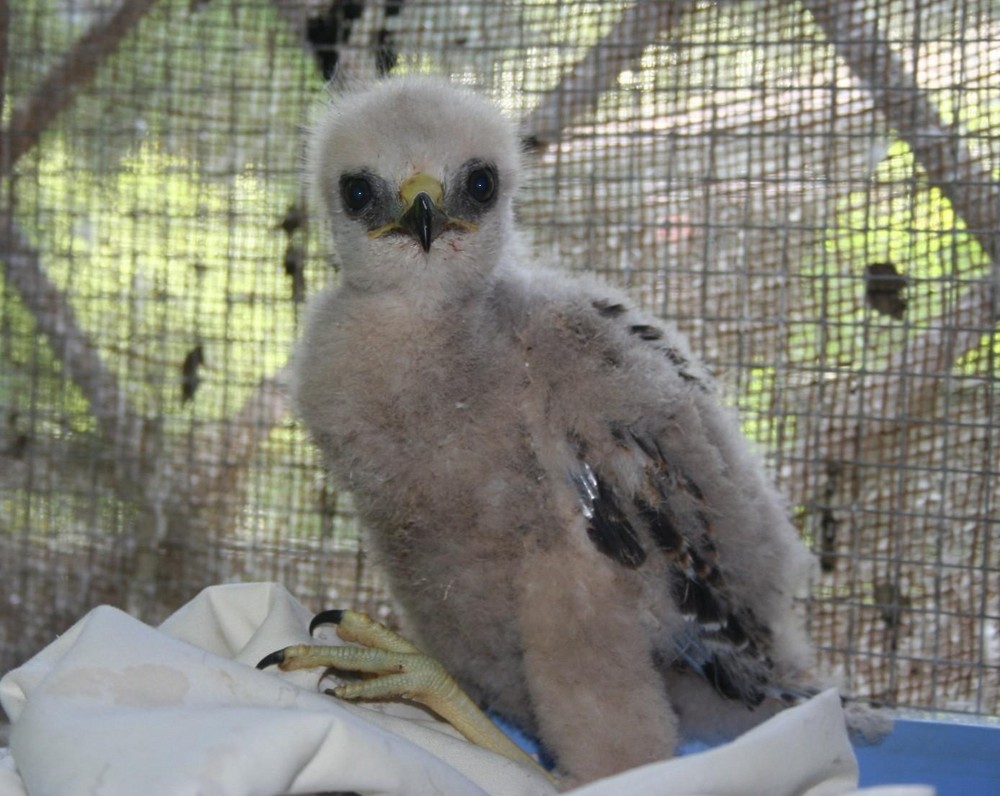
(958, 758)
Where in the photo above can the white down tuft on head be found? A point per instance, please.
(393, 130)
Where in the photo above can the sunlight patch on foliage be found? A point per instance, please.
(984, 360)
(759, 418)
(896, 218)
(156, 259)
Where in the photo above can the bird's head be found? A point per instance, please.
(416, 176)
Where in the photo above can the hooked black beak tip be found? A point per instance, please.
(422, 220)
(425, 221)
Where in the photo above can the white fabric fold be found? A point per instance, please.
(114, 706)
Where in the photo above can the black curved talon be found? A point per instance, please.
(274, 659)
(330, 617)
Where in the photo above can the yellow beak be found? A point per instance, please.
(422, 216)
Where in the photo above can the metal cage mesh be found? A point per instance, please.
(811, 191)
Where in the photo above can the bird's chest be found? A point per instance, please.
(426, 395)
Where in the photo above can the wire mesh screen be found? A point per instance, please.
(811, 191)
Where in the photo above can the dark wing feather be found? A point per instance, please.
(617, 313)
(670, 516)
(721, 641)
(607, 525)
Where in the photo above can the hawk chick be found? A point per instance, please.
(570, 521)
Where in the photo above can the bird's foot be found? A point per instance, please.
(398, 670)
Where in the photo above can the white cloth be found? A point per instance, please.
(114, 706)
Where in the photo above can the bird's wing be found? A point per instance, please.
(668, 516)
(721, 641)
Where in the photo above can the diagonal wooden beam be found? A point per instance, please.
(58, 88)
(55, 318)
(178, 514)
(938, 147)
(22, 266)
(640, 25)
(899, 394)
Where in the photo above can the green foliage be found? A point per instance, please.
(757, 394)
(895, 218)
(31, 381)
(153, 203)
(159, 220)
(900, 219)
(983, 360)
(156, 259)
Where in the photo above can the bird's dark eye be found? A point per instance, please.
(356, 192)
(482, 184)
